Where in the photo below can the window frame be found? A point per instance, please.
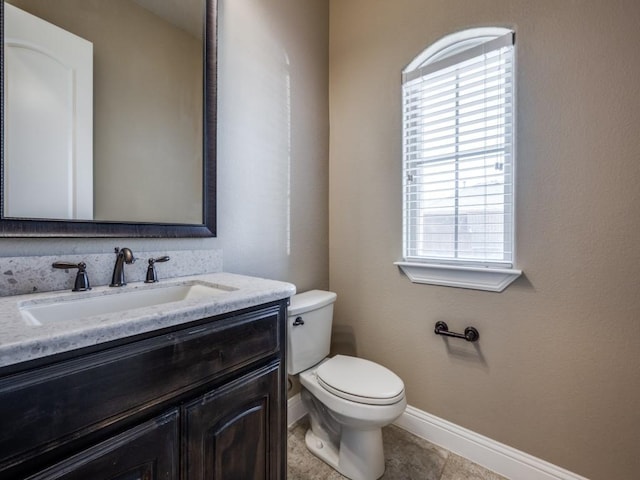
(483, 274)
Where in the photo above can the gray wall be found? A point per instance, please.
(557, 370)
(273, 148)
(273, 139)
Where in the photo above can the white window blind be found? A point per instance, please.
(458, 155)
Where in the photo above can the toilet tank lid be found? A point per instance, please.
(311, 300)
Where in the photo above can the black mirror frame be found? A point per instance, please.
(77, 228)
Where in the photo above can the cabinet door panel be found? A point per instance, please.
(146, 452)
(235, 431)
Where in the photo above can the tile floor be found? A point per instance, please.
(407, 457)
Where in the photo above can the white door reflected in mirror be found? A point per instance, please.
(48, 147)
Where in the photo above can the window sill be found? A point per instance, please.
(476, 278)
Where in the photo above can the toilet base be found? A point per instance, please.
(360, 456)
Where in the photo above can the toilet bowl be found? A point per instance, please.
(349, 399)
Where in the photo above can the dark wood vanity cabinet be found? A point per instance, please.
(206, 400)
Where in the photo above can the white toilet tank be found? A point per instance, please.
(309, 329)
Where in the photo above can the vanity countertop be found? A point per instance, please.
(21, 340)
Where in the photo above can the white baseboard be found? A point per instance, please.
(295, 409)
(495, 456)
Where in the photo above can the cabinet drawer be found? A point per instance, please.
(148, 451)
(48, 407)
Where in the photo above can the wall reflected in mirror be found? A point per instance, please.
(124, 145)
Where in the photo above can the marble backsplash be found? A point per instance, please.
(19, 275)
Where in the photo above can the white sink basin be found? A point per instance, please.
(42, 313)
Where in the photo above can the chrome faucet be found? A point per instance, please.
(123, 255)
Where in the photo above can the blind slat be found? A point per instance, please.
(454, 156)
(423, 122)
(416, 121)
(462, 122)
(474, 136)
(498, 93)
(427, 89)
(466, 146)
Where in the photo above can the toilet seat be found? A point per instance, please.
(360, 380)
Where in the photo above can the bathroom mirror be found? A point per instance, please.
(150, 131)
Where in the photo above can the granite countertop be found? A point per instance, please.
(22, 340)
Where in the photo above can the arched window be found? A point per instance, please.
(458, 154)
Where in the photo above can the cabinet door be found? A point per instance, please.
(236, 431)
(146, 452)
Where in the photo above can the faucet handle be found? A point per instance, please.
(82, 279)
(152, 276)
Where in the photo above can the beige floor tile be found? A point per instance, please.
(458, 468)
(407, 457)
(410, 457)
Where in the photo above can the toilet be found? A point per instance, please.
(349, 399)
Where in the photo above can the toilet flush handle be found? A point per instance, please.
(298, 321)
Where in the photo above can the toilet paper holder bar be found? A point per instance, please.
(470, 334)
